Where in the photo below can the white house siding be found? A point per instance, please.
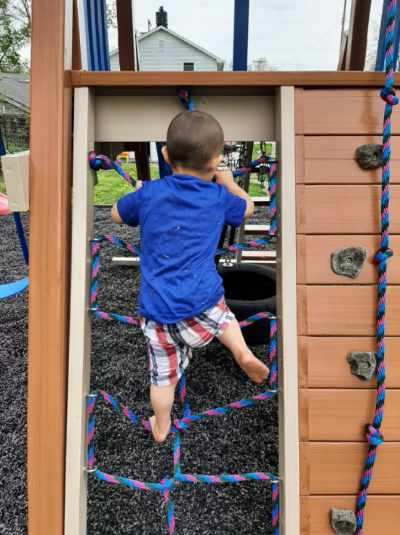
(114, 62)
(164, 52)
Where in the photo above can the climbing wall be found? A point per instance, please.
(337, 205)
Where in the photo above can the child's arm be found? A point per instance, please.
(225, 178)
(126, 211)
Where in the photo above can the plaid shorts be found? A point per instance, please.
(170, 345)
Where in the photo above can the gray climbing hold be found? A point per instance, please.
(349, 261)
(343, 522)
(362, 364)
(369, 156)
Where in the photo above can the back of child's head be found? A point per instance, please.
(193, 140)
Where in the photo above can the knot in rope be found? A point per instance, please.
(99, 161)
(388, 94)
(167, 484)
(179, 425)
(374, 436)
(383, 255)
(186, 99)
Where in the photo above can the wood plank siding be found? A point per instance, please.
(337, 206)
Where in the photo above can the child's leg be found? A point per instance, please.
(162, 399)
(232, 338)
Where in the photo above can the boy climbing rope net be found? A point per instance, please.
(181, 298)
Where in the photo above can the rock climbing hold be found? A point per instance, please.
(362, 364)
(369, 156)
(343, 522)
(349, 261)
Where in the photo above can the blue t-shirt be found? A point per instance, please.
(181, 218)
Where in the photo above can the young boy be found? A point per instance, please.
(181, 299)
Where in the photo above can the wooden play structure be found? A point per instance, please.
(326, 202)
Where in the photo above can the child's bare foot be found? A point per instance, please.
(159, 435)
(256, 370)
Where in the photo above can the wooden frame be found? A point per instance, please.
(287, 304)
(87, 114)
(80, 326)
(50, 157)
(52, 80)
(229, 80)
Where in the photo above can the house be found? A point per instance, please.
(14, 110)
(161, 49)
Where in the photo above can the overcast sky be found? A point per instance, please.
(290, 34)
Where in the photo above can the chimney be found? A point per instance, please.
(162, 18)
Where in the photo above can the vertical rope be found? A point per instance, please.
(374, 436)
(90, 428)
(170, 512)
(95, 247)
(183, 396)
(185, 96)
(275, 508)
(272, 188)
(273, 353)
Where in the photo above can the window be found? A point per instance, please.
(188, 66)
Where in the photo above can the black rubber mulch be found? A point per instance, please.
(244, 441)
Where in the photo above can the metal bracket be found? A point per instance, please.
(348, 262)
(369, 156)
(343, 522)
(362, 364)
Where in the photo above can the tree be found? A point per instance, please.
(15, 31)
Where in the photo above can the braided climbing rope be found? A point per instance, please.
(272, 188)
(166, 485)
(95, 247)
(374, 436)
(99, 161)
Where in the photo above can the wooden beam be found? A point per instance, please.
(125, 35)
(358, 34)
(76, 41)
(229, 79)
(287, 305)
(50, 158)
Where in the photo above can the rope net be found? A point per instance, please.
(180, 425)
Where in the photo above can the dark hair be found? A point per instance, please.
(193, 139)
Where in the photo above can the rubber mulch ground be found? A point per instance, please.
(242, 442)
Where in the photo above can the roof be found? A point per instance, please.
(177, 36)
(14, 88)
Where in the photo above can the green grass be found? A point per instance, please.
(110, 186)
(257, 190)
(2, 184)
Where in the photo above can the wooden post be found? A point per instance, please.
(126, 35)
(50, 158)
(80, 327)
(287, 315)
(76, 41)
(358, 34)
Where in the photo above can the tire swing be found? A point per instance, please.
(250, 289)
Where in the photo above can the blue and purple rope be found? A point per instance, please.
(373, 434)
(272, 188)
(100, 161)
(95, 247)
(166, 485)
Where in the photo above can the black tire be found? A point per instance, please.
(249, 289)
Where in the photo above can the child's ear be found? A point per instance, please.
(164, 152)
